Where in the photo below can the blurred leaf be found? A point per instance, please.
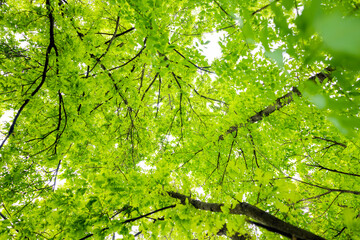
(340, 33)
(277, 56)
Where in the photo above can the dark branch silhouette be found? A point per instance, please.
(43, 78)
(251, 211)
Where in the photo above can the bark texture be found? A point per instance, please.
(253, 212)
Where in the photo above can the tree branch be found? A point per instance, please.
(108, 47)
(47, 57)
(329, 140)
(148, 214)
(333, 170)
(119, 34)
(279, 103)
(222, 9)
(243, 208)
(132, 59)
(3, 216)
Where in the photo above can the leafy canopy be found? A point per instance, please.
(120, 126)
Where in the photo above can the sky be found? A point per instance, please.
(211, 50)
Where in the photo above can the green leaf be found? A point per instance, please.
(338, 33)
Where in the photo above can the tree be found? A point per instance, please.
(120, 126)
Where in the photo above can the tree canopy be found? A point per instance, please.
(121, 127)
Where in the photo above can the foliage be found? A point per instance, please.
(121, 126)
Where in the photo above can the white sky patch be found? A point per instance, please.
(82, 65)
(60, 182)
(170, 138)
(298, 10)
(208, 105)
(134, 230)
(6, 116)
(138, 46)
(21, 38)
(257, 49)
(211, 48)
(144, 166)
(200, 190)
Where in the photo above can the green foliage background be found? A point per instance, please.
(114, 100)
